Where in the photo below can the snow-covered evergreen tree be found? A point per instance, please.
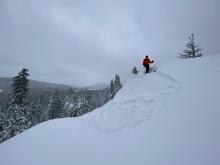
(55, 107)
(19, 119)
(69, 106)
(2, 120)
(19, 91)
(77, 105)
(82, 106)
(36, 113)
(18, 116)
(192, 49)
(4, 133)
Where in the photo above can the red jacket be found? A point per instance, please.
(147, 61)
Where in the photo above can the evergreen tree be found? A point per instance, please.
(19, 111)
(117, 84)
(55, 107)
(192, 49)
(105, 95)
(19, 119)
(112, 89)
(2, 119)
(4, 133)
(82, 106)
(19, 91)
(77, 105)
(36, 114)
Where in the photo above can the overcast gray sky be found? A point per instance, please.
(83, 42)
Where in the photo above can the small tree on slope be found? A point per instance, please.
(134, 70)
(192, 50)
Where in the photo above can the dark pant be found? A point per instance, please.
(147, 67)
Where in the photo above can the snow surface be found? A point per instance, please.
(170, 117)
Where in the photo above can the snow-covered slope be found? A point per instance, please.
(170, 117)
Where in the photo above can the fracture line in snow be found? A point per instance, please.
(171, 79)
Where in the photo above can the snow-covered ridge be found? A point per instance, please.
(134, 103)
(168, 117)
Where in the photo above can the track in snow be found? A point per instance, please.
(133, 105)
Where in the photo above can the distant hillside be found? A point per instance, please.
(99, 86)
(5, 84)
(37, 89)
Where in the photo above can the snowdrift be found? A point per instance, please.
(167, 117)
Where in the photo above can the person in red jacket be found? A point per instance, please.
(147, 62)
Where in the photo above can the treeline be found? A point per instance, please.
(25, 107)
